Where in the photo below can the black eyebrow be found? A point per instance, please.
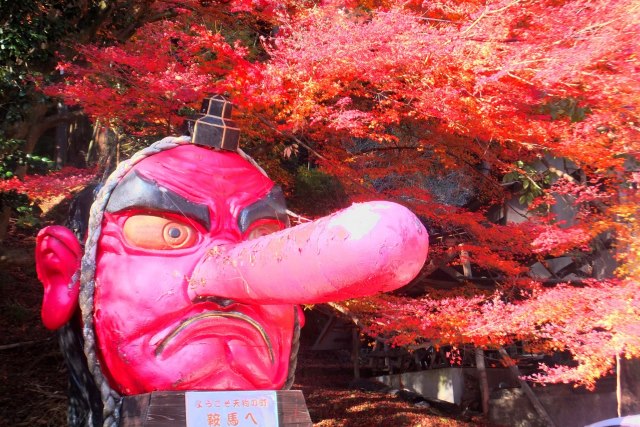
(271, 206)
(135, 191)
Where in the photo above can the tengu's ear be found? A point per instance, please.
(58, 255)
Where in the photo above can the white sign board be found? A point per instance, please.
(231, 408)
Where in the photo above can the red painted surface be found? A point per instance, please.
(58, 257)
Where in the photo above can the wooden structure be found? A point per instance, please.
(167, 409)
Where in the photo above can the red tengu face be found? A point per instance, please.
(169, 213)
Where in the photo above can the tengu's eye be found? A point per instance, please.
(262, 228)
(156, 232)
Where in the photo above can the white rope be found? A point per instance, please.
(110, 398)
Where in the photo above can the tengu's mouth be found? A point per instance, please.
(213, 314)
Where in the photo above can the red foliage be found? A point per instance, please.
(146, 81)
(595, 323)
(421, 102)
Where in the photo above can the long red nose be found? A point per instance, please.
(362, 250)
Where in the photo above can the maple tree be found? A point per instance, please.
(451, 108)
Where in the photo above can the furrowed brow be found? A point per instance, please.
(271, 206)
(135, 191)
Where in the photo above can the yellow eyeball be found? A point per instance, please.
(178, 235)
(262, 228)
(156, 232)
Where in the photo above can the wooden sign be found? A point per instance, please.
(169, 409)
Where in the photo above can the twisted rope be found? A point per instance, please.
(110, 398)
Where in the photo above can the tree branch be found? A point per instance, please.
(486, 12)
(398, 147)
(22, 344)
(291, 136)
(126, 33)
(562, 174)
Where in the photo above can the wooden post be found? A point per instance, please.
(537, 405)
(355, 352)
(482, 378)
(325, 330)
(480, 365)
(387, 359)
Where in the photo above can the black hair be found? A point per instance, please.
(85, 403)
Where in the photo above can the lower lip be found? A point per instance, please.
(207, 317)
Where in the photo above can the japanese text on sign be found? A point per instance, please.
(231, 408)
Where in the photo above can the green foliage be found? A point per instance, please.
(25, 212)
(13, 199)
(317, 193)
(25, 31)
(28, 216)
(28, 32)
(32, 34)
(11, 157)
(9, 149)
(532, 182)
(565, 107)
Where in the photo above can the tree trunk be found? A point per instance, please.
(355, 351)
(62, 138)
(5, 216)
(483, 380)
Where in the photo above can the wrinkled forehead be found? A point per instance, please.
(205, 176)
